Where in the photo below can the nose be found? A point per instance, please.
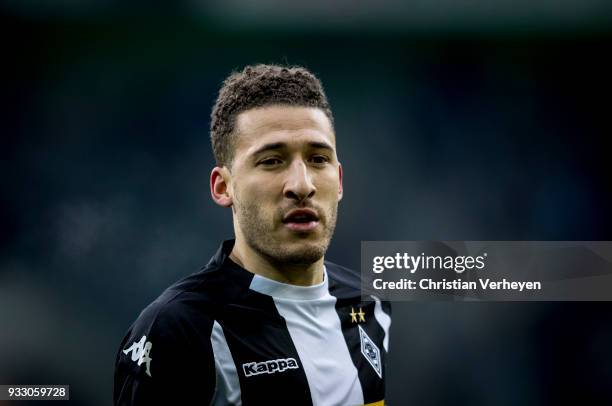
(299, 185)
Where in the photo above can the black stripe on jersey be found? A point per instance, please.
(259, 337)
(348, 299)
(178, 359)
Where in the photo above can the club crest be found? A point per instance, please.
(370, 351)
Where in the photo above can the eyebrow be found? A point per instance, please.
(279, 145)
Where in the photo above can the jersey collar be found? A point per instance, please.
(281, 290)
(268, 286)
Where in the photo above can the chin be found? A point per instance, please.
(304, 252)
(294, 249)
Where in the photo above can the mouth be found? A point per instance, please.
(301, 220)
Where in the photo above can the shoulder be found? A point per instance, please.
(343, 282)
(165, 355)
(168, 344)
(188, 306)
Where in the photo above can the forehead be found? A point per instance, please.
(288, 124)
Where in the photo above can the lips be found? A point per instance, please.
(300, 216)
(301, 219)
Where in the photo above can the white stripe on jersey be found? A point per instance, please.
(228, 386)
(384, 320)
(314, 327)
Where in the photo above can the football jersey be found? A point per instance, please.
(227, 336)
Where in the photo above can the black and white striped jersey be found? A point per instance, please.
(227, 336)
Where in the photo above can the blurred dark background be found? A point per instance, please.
(456, 120)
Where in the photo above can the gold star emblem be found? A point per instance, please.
(353, 316)
(361, 315)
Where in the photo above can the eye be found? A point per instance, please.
(272, 161)
(319, 159)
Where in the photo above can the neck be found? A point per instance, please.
(294, 274)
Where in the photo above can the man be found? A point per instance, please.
(267, 321)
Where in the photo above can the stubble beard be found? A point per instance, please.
(259, 232)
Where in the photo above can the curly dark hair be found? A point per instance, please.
(259, 86)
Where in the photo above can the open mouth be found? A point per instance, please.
(301, 220)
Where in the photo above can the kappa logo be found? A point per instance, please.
(370, 351)
(269, 367)
(140, 353)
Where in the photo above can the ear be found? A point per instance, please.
(219, 187)
(340, 190)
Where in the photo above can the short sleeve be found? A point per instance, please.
(165, 358)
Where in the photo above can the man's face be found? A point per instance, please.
(286, 182)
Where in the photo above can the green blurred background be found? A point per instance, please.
(456, 120)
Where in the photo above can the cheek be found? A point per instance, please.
(257, 192)
(328, 185)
